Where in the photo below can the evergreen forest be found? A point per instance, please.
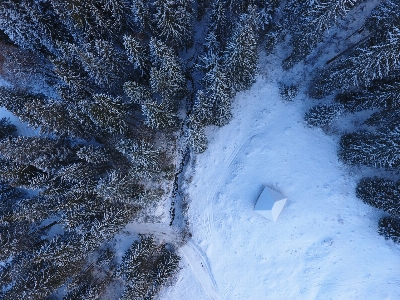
(119, 94)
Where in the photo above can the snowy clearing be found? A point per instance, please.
(325, 243)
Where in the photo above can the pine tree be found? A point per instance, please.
(103, 62)
(381, 94)
(145, 267)
(213, 104)
(141, 15)
(196, 136)
(137, 54)
(381, 193)
(384, 119)
(109, 113)
(158, 115)
(32, 25)
(322, 115)
(373, 58)
(118, 188)
(174, 21)
(389, 228)
(45, 154)
(377, 149)
(167, 77)
(6, 128)
(143, 156)
(308, 22)
(242, 56)
(218, 21)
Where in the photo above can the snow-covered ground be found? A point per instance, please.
(325, 243)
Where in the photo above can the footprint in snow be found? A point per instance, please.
(320, 249)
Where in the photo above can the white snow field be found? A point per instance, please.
(324, 244)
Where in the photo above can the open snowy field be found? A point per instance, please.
(325, 243)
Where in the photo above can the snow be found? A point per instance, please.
(324, 244)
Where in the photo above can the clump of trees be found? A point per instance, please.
(109, 85)
(365, 78)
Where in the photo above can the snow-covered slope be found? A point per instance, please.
(325, 243)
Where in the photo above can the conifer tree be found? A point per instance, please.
(109, 113)
(241, 52)
(143, 156)
(141, 15)
(174, 21)
(373, 58)
(158, 115)
(196, 136)
(137, 54)
(218, 21)
(322, 115)
(389, 228)
(45, 154)
(167, 77)
(103, 62)
(6, 128)
(307, 22)
(145, 266)
(379, 149)
(381, 193)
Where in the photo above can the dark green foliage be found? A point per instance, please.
(7, 128)
(196, 137)
(389, 227)
(322, 115)
(288, 92)
(167, 77)
(379, 149)
(374, 57)
(145, 267)
(307, 22)
(242, 56)
(174, 21)
(380, 193)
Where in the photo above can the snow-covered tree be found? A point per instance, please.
(158, 115)
(218, 20)
(381, 94)
(167, 77)
(109, 113)
(141, 14)
(145, 266)
(118, 188)
(308, 21)
(374, 57)
(143, 156)
(6, 128)
(242, 55)
(137, 54)
(322, 115)
(45, 154)
(389, 227)
(196, 136)
(379, 149)
(174, 21)
(381, 193)
(103, 62)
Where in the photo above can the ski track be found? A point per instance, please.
(209, 215)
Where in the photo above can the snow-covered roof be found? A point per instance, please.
(270, 204)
